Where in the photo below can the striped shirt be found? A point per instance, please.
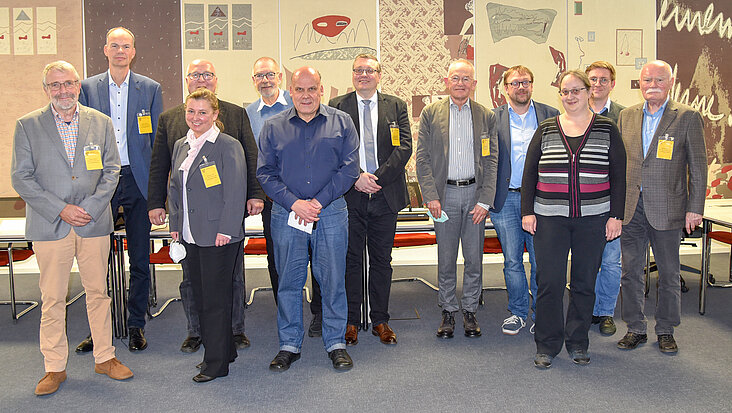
(69, 132)
(575, 176)
(461, 161)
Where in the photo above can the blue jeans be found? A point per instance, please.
(607, 286)
(328, 243)
(513, 238)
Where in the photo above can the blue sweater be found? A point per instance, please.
(257, 118)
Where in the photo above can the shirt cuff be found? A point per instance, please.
(484, 206)
(227, 236)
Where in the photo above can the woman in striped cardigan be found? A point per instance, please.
(572, 198)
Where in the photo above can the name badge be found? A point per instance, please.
(394, 128)
(485, 145)
(144, 122)
(209, 173)
(93, 157)
(665, 147)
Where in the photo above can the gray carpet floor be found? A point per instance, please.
(494, 372)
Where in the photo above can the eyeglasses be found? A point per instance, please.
(368, 71)
(601, 80)
(204, 75)
(268, 75)
(525, 83)
(57, 85)
(458, 79)
(576, 91)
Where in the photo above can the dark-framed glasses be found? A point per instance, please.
(525, 83)
(268, 75)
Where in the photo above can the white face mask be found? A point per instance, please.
(177, 251)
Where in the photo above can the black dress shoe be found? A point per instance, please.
(316, 326)
(341, 360)
(282, 360)
(137, 339)
(447, 325)
(607, 326)
(470, 323)
(667, 344)
(631, 340)
(191, 344)
(86, 345)
(241, 341)
(543, 361)
(579, 357)
(202, 378)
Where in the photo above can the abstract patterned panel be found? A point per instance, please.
(157, 43)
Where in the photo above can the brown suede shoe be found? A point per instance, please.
(50, 382)
(114, 369)
(385, 333)
(351, 335)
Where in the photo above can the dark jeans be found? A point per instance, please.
(373, 219)
(212, 271)
(554, 238)
(137, 225)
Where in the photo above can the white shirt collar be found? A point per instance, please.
(372, 99)
(280, 99)
(125, 82)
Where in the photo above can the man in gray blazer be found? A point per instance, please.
(666, 185)
(457, 159)
(134, 102)
(65, 166)
(516, 122)
(607, 286)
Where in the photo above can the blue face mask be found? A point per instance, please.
(442, 217)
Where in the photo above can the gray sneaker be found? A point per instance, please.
(512, 325)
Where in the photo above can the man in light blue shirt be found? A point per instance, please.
(516, 122)
(272, 100)
(134, 102)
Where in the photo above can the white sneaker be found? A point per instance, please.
(512, 325)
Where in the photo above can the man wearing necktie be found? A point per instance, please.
(377, 196)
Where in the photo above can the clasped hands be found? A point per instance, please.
(307, 211)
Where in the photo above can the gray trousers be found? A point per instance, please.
(459, 228)
(665, 244)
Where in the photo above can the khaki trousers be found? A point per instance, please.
(55, 259)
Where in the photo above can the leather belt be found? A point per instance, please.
(514, 189)
(465, 182)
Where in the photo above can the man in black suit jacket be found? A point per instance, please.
(377, 196)
(607, 286)
(171, 127)
(516, 122)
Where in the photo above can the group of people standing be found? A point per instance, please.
(329, 181)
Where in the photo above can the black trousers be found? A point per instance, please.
(369, 219)
(315, 307)
(211, 270)
(554, 238)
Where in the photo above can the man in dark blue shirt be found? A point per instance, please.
(308, 158)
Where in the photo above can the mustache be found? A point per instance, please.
(654, 90)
